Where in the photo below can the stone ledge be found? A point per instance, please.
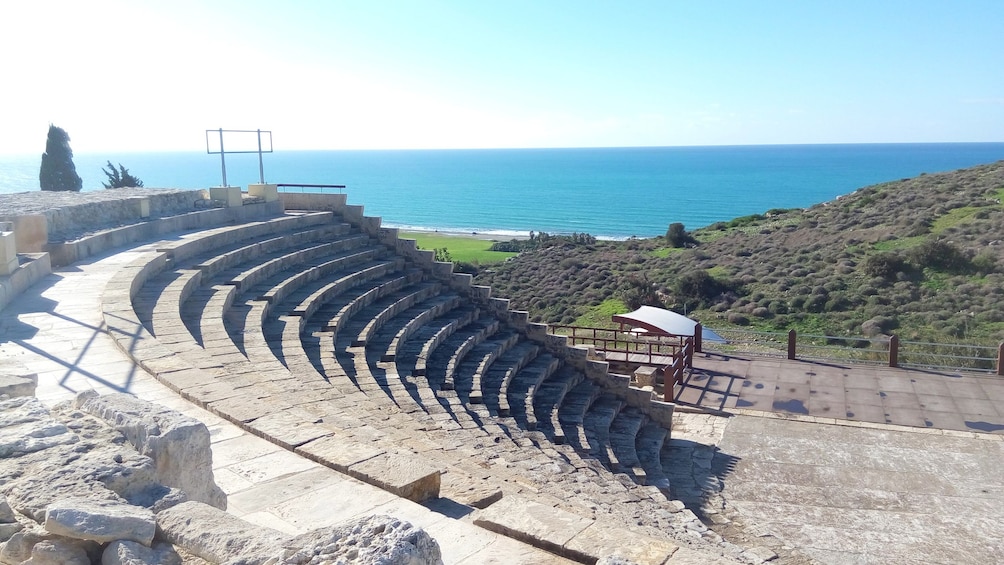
(402, 474)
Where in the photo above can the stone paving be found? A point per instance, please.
(866, 493)
(861, 393)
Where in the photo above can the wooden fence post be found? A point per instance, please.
(791, 344)
(894, 351)
(698, 338)
(1000, 360)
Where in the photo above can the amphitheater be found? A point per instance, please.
(343, 372)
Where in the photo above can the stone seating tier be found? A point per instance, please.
(319, 403)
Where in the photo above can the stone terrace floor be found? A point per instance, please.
(862, 393)
(813, 456)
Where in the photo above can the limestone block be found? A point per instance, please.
(532, 522)
(645, 376)
(100, 520)
(18, 385)
(599, 540)
(58, 552)
(267, 192)
(132, 553)
(337, 453)
(404, 475)
(370, 541)
(229, 195)
(31, 232)
(142, 207)
(177, 444)
(214, 535)
(8, 253)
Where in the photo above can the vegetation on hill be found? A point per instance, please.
(922, 258)
(58, 171)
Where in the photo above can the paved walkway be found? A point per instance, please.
(53, 329)
(862, 393)
(849, 494)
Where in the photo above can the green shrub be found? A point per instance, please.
(884, 265)
(939, 255)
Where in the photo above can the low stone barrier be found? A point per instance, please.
(113, 480)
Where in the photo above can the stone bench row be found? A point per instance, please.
(205, 387)
(279, 426)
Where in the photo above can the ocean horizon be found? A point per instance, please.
(611, 193)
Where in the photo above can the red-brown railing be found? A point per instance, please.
(648, 349)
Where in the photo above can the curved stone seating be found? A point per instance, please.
(431, 372)
(549, 398)
(573, 411)
(495, 380)
(467, 376)
(417, 320)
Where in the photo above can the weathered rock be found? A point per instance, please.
(374, 540)
(57, 552)
(132, 553)
(6, 513)
(214, 535)
(100, 520)
(26, 427)
(8, 530)
(18, 385)
(179, 445)
(615, 560)
(18, 548)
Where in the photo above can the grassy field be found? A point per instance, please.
(461, 248)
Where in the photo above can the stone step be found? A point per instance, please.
(623, 437)
(264, 268)
(254, 251)
(192, 246)
(442, 363)
(467, 376)
(520, 389)
(423, 292)
(337, 311)
(412, 357)
(501, 371)
(596, 424)
(648, 444)
(549, 398)
(417, 319)
(573, 410)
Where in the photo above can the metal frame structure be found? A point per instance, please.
(222, 152)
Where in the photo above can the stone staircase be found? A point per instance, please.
(332, 337)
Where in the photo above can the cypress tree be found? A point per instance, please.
(58, 171)
(120, 178)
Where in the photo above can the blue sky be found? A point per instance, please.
(136, 75)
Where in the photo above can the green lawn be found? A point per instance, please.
(461, 248)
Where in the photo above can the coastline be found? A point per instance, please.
(485, 236)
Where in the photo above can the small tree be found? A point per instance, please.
(58, 171)
(119, 178)
(677, 235)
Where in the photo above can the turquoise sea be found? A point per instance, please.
(608, 192)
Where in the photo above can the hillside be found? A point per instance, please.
(921, 257)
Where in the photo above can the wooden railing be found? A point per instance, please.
(646, 350)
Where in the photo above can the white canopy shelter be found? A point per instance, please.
(662, 321)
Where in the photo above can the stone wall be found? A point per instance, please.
(71, 215)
